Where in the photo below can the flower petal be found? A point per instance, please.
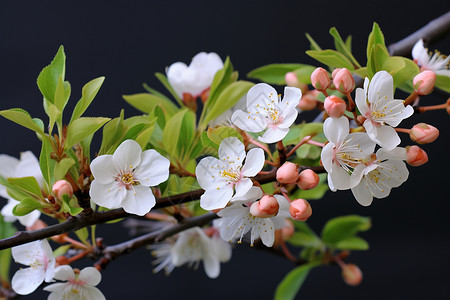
(107, 195)
(29, 219)
(232, 151)
(283, 210)
(291, 97)
(25, 281)
(327, 156)
(362, 194)
(211, 264)
(381, 86)
(254, 162)
(273, 134)
(90, 276)
(103, 169)
(9, 165)
(336, 129)
(208, 172)
(248, 122)
(127, 156)
(288, 117)
(64, 273)
(153, 169)
(140, 201)
(387, 137)
(27, 253)
(259, 96)
(340, 178)
(215, 198)
(254, 193)
(243, 186)
(93, 293)
(361, 101)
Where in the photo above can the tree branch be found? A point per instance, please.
(433, 31)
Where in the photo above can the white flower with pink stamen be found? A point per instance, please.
(220, 177)
(265, 110)
(39, 256)
(124, 178)
(79, 285)
(379, 175)
(343, 152)
(382, 112)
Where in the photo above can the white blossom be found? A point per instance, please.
(266, 111)
(39, 256)
(80, 285)
(28, 165)
(219, 177)
(382, 112)
(195, 78)
(190, 247)
(379, 175)
(236, 220)
(124, 178)
(436, 62)
(343, 152)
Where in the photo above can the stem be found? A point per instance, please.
(302, 142)
(256, 143)
(432, 107)
(281, 152)
(405, 130)
(311, 142)
(287, 252)
(410, 98)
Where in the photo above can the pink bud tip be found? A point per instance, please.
(424, 82)
(352, 274)
(423, 133)
(287, 173)
(62, 187)
(335, 71)
(265, 208)
(320, 79)
(291, 79)
(334, 106)
(307, 179)
(308, 101)
(300, 210)
(415, 156)
(343, 81)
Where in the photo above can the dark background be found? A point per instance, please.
(128, 41)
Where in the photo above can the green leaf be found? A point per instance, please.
(62, 94)
(274, 73)
(26, 206)
(171, 133)
(22, 117)
(27, 184)
(186, 139)
(83, 235)
(304, 74)
(311, 129)
(46, 163)
(146, 103)
(227, 98)
(291, 284)
(443, 83)
(376, 39)
(341, 228)
(6, 230)
(62, 167)
(218, 134)
(301, 239)
(88, 94)
(331, 58)
(313, 194)
(362, 72)
(352, 243)
(209, 147)
(313, 44)
(61, 250)
(342, 47)
(81, 128)
(113, 131)
(401, 69)
(308, 151)
(163, 79)
(48, 78)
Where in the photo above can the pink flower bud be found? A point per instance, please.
(308, 101)
(415, 156)
(424, 82)
(352, 274)
(287, 173)
(320, 79)
(300, 210)
(423, 133)
(334, 106)
(291, 79)
(39, 224)
(335, 71)
(62, 187)
(343, 81)
(265, 208)
(288, 229)
(307, 179)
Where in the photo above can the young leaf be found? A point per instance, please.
(147, 102)
(27, 184)
(218, 134)
(163, 79)
(88, 94)
(22, 117)
(342, 47)
(291, 284)
(62, 167)
(48, 78)
(313, 44)
(275, 73)
(26, 206)
(46, 163)
(341, 228)
(331, 58)
(81, 128)
(401, 69)
(352, 243)
(6, 230)
(171, 133)
(302, 239)
(113, 131)
(443, 83)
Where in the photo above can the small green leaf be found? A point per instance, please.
(88, 94)
(22, 117)
(62, 167)
(291, 284)
(352, 243)
(275, 73)
(26, 206)
(48, 78)
(62, 94)
(46, 163)
(313, 194)
(6, 230)
(61, 250)
(83, 235)
(301, 239)
(341, 228)
(163, 79)
(81, 128)
(171, 133)
(304, 74)
(443, 82)
(331, 58)
(308, 151)
(113, 132)
(401, 69)
(27, 184)
(362, 72)
(218, 134)
(313, 44)
(342, 47)
(146, 103)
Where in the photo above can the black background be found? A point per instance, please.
(130, 40)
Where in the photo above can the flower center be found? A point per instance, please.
(378, 114)
(231, 175)
(127, 178)
(374, 176)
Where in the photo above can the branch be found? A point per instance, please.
(111, 252)
(433, 31)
